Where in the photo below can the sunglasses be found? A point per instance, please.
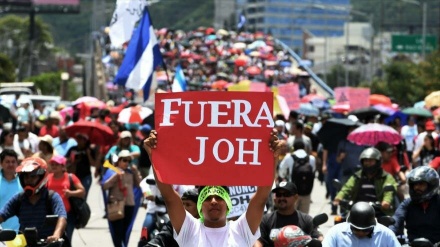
(126, 160)
(370, 229)
(280, 194)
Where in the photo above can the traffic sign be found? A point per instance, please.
(413, 43)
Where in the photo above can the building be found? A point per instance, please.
(288, 19)
(224, 13)
(326, 52)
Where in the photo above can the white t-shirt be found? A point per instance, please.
(287, 164)
(409, 133)
(235, 234)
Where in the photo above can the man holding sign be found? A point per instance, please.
(213, 205)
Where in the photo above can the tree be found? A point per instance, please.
(336, 77)
(7, 69)
(50, 84)
(14, 42)
(401, 83)
(429, 72)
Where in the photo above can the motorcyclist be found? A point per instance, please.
(165, 236)
(421, 212)
(32, 207)
(361, 229)
(368, 184)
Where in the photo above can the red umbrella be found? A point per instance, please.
(220, 84)
(253, 70)
(371, 134)
(310, 97)
(376, 99)
(86, 107)
(241, 61)
(98, 133)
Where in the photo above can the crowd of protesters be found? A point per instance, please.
(210, 60)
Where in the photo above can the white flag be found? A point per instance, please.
(126, 14)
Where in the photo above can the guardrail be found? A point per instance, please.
(298, 59)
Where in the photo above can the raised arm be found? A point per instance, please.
(255, 210)
(174, 204)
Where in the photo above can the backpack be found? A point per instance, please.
(79, 207)
(303, 175)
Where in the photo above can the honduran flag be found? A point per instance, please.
(141, 58)
(179, 82)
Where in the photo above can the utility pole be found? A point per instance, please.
(425, 9)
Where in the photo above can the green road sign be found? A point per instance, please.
(413, 43)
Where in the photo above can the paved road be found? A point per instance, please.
(97, 234)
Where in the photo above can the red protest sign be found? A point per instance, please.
(217, 138)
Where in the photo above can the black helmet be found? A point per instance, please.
(371, 153)
(362, 216)
(423, 174)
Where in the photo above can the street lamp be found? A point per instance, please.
(64, 78)
(424, 10)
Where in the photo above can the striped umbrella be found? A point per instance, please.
(134, 114)
(371, 134)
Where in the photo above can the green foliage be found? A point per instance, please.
(7, 69)
(336, 77)
(407, 82)
(429, 72)
(186, 15)
(14, 41)
(50, 84)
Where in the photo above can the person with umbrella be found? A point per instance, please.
(80, 158)
(348, 156)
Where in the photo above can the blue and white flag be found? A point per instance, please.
(179, 82)
(241, 21)
(141, 58)
(127, 13)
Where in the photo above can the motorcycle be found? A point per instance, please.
(419, 242)
(161, 218)
(29, 237)
(347, 204)
(291, 234)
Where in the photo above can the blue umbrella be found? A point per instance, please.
(285, 64)
(420, 104)
(308, 109)
(211, 37)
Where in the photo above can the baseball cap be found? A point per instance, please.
(46, 138)
(308, 125)
(59, 159)
(125, 134)
(124, 154)
(429, 125)
(279, 123)
(145, 128)
(384, 147)
(289, 186)
(191, 194)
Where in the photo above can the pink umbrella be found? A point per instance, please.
(253, 70)
(84, 99)
(134, 114)
(371, 134)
